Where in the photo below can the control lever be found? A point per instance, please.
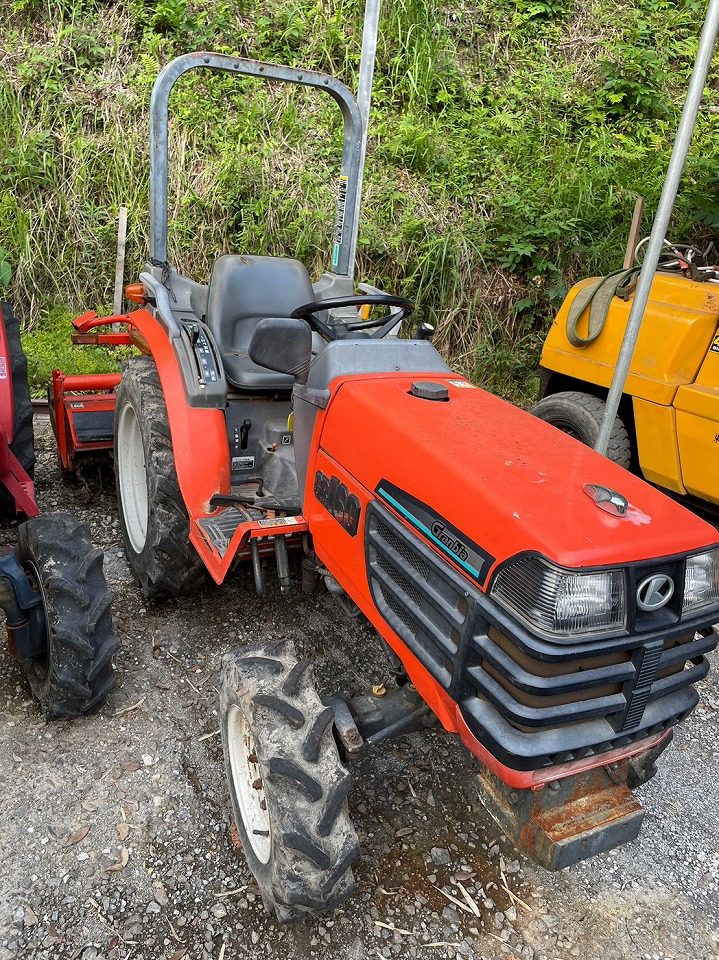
(245, 434)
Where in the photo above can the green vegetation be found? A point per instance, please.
(508, 141)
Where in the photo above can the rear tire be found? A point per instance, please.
(22, 445)
(580, 415)
(287, 784)
(75, 673)
(153, 518)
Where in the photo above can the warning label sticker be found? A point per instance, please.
(3, 369)
(243, 463)
(339, 219)
(278, 522)
(463, 384)
(715, 344)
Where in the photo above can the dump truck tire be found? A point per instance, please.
(580, 415)
(22, 445)
(75, 673)
(287, 784)
(153, 517)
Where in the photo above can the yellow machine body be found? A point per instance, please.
(672, 390)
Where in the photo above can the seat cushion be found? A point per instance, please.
(244, 290)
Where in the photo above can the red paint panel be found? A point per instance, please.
(199, 437)
(344, 556)
(7, 402)
(507, 480)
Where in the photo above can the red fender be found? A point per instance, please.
(199, 436)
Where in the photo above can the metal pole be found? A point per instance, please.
(364, 100)
(661, 222)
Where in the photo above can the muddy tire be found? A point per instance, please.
(153, 517)
(75, 673)
(287, 784)
(22, 444)
(580, 415)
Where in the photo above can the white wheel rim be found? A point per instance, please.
(247, 781)
(132, 475)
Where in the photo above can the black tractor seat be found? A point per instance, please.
(244, 290)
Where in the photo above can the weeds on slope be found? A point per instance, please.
(507, 144)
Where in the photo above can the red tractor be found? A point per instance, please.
(52, 587)
(549, 608)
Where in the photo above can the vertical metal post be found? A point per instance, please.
(661, 222)
(364, 100)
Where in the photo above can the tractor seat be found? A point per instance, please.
(244, 290)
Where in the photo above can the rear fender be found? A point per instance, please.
(199, 436)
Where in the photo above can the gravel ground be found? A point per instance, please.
(115, 837)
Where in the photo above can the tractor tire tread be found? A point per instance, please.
(168, 564)
(76, 673)
(291, 685)
(282, 768)
(314, 844)
(313, 741)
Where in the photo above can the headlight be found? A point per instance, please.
(562, 604)
(701, 581)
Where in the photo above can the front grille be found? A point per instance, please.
(418, 594)
(531, 704)
(535, 695)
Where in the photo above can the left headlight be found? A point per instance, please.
(701, 581)
(565, 605)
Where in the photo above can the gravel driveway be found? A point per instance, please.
(115, 837)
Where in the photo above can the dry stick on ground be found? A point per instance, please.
(388, 926)
(206, 736)
(513, 895)
(470, 900)
(455, 901)
(119, 713)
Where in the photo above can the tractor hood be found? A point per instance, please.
(506, 482)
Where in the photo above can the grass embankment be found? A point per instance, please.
(508, 142)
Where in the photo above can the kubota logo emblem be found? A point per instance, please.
(655, 592)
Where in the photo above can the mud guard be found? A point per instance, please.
(199, 435)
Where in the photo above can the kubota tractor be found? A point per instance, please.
(549, 608)
(52, 587)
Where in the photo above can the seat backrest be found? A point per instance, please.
(245, 289)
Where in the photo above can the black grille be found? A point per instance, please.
(421, 598)
(638, 699)
(519, 707)
(530, 703)
(410, 590)
(407, 552)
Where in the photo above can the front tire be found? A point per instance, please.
(580, 415)
(287, 784)
(75, 673)
(153, 518)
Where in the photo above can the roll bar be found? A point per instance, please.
(344, 240)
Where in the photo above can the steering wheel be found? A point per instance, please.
(384, 324)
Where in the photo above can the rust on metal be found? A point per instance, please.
(570, 819)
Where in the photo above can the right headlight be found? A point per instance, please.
(701, 581)
(564, 605)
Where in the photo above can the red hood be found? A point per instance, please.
(506, 480)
